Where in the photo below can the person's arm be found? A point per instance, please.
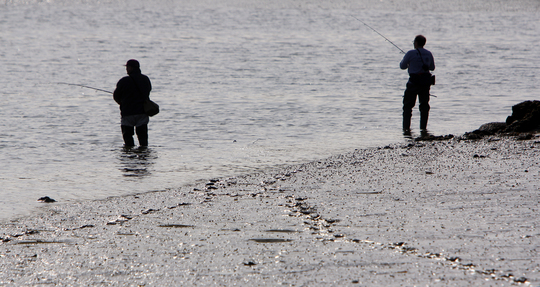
(117, 94)
(149, 85)
(404, 64)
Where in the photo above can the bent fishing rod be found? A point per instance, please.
(88, 87)
(379, 34)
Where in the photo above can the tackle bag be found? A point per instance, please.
(151, 108)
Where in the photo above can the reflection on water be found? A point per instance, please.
(411, 135)
(135, 162)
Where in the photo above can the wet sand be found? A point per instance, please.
(440, 213)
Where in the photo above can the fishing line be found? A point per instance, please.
(379, 34)
(88, 87)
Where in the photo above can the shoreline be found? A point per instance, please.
(453, 213)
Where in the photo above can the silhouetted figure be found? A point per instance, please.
(419, 62)
(131, 92)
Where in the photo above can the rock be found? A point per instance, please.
(525, 117)
(494, 127)
(46, 199)
(428, 137)
(250, 263)
(488, 129)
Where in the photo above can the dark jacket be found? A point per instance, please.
(131, 92)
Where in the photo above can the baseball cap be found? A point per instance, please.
(133, 63)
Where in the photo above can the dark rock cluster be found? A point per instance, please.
(525, 118)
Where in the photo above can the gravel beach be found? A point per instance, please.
(424, 213)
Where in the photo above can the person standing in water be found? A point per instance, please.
(131, 92)
(419, 62)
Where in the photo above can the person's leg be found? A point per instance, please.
(423, 99)
(409, 100)
(127, 134)
(142, 135)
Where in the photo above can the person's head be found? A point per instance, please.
(419, 41)
(132, 65)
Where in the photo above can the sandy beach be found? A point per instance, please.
(426, 213)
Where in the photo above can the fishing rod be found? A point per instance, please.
(88, 87)
(379, 34)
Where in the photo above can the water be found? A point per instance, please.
(243, 85)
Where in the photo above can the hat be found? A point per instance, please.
(133, 63)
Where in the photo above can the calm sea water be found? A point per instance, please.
(243, 85)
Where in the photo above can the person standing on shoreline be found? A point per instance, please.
(419, 62)
(131, 92)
